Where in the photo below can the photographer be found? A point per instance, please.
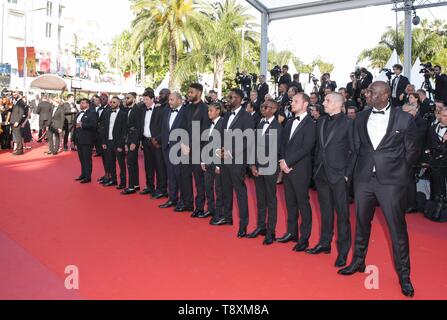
(283, 98)
(262, 88)
(437, 151)
(285, 76)
(440, 84)
(212, 97)
(353, 87)
(244, 81)
(398, 86)
(427, 106)
(326, 83)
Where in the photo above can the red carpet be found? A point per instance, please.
(127, 248)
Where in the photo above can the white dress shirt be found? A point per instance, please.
(396, 82)
(147, 121)
(81, 114)
(213, 124)
(266, 126)
(296, 123)
(54, 111)
(232, 116)
(112, 123)
(441, 130)
(377, 126)
(173, 116)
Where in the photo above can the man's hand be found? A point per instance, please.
(59, 130)
(126, 148)
(16, 124)
(217, 170)
(346, 179)
(155, 143)
(119, 149)
(203, 166)
(254, 171)
(132, 147)
(104, 146)
(185, 149)
(78, 125)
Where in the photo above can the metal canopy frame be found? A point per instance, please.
(299, 9)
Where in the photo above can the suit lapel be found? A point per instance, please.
(332, 133)
(323, 124)
(390, 126)
(302, 124)
(236, 118)
(365, 128)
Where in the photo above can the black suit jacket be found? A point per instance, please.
(134, 128)
(44, 110)
(241, 121)
(199, 114)
(297, 85)
(335, 154)
(57, 120)
(86, 133)
(262, 90)
(180, 122)
(396, 153)
(441, 87)
(297, 151)
(401, 85)
(285, 78)
(156, 121)
(119, 128)
(214, 142)
(70, 115)
(264, 146)
(19, 113)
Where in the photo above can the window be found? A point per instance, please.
(12, 1)
(48, 30)
(60, 10)
(49, 8)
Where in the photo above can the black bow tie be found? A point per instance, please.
(114, 111)
(297, 118)
(379, 112)
(233, 113)
(174, 110)
(264, 122)
(149, 109)
(442, 127)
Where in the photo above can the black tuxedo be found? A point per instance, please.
(197, 113)
(85, 137)
(334, 160)
(262, 90)
(297, 153)
(56, 122)
(69, 121)
(213, 181)
(297, 85)
(153, 155)
(44, 112)
(233, 170)
(285, 78)
(173, 170)
(265, 182)
(117, 141)
(133, 137)
(401, 86)
(98, 142)
(437, 146)
(18, 115)
(392, 161)
(441, 87)
(256, 118)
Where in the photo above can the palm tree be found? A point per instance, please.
(228, 32)
(171, 23)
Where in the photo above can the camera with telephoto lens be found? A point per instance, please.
(426, 68)
(389, 73)
(276, 72)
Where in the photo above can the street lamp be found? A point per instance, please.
(25, 71)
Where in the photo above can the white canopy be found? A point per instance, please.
(49, 82)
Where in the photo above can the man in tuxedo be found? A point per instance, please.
(265, 172)
(95, 104)
(256, 103)
(427, 106)
(398, 86)
(385, 141)
(55, 127)
(153, 156)
(174, 118)
(113, 134)
(298, 141)
(334, 163)
(44, 112)
(212, 164)
(196, 114)
(86, 125)
(256, 115)
(18, 117)
(70, 112)
(440, 84)
(262, 88)
(104, 106)
(235, 159)
(132, 143)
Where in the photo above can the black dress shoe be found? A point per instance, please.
(146, 191)
(196, 213)
(287, 238)
(97, 155)
(86, 181)
(269, 239)
(242, 233)
(205, 215)
(136, 188)
(110, 183)
(352, 268)
(159, 195)
(183, 209)
(121, 187)
(410, 210)
(105, 181)
(301, 247)
(341, 261)
(128, 191)
(168, 204)
(222, 222)
(319, 249)
(256, 233)
(407, 288)
(102, 178)
(79, 178)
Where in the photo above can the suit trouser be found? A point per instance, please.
(233, 179)
(266, 201)
(110, 155)
(213, 191)
(85, 157)
(174, 179)
(68, 127)
(412, 190)
(98, 143)
(132, 167)
(188, 170)
(438, 183)
(43, 124)
(54, 140)
(154, 164)
(17, 134)
(392, 199)
(330, 197)
(296, 187)
(121, 157)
